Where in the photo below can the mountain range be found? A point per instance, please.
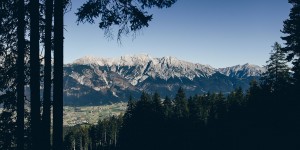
(95, 81)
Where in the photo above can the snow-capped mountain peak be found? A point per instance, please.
(112, 78)
(242, 71)
(137, 68)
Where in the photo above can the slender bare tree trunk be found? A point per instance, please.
(35, 74)
(20, 75)
(58, 76)
(46, 118)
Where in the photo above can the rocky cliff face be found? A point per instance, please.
(94, 81)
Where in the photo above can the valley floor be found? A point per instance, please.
(91, 114)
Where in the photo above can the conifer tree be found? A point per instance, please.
(157, 105)
(236, 104)
(181, 107)
(145, 97)
(69, 141)
(292, 38)
(253, 95)
(220, 106)
(194, 108)
(276, 77)
(167, 107)
(239, 96)
(130, 109)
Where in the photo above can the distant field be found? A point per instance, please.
(91, 114)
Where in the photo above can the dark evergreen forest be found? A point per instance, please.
(258, 119)
(266, 116)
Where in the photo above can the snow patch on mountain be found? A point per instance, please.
(242, 71)
(138, 68)
(90, 79)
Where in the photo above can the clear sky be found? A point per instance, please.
(220, 33)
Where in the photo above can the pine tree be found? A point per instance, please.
(276, 78)
(194, 109)
(253, 95)
(291, 30)
(127, 131)
(130, 109)
(236, 103)
(157, 105)
(145, 97)
(239, 96)
(220, 105)
(69, 141)
(181, 107)
(167, 108)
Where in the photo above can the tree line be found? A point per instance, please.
(266, 116)
(256, 119)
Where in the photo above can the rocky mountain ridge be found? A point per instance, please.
(91, 80)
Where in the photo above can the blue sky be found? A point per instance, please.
(219, 33)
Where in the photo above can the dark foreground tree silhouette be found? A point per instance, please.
(276, 78)
(20, 75)
(13, 74)
(46, 116)
(58, 76)
(291, 29)
(128, 15)
(35, 73)
(181, 105)
(8, 38)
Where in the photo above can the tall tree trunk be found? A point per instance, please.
(58, 76)
(47, 77)
(20, 75)
(35, 74)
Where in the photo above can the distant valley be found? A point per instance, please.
(99, 81)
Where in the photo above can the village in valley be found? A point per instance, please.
(91, 114)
